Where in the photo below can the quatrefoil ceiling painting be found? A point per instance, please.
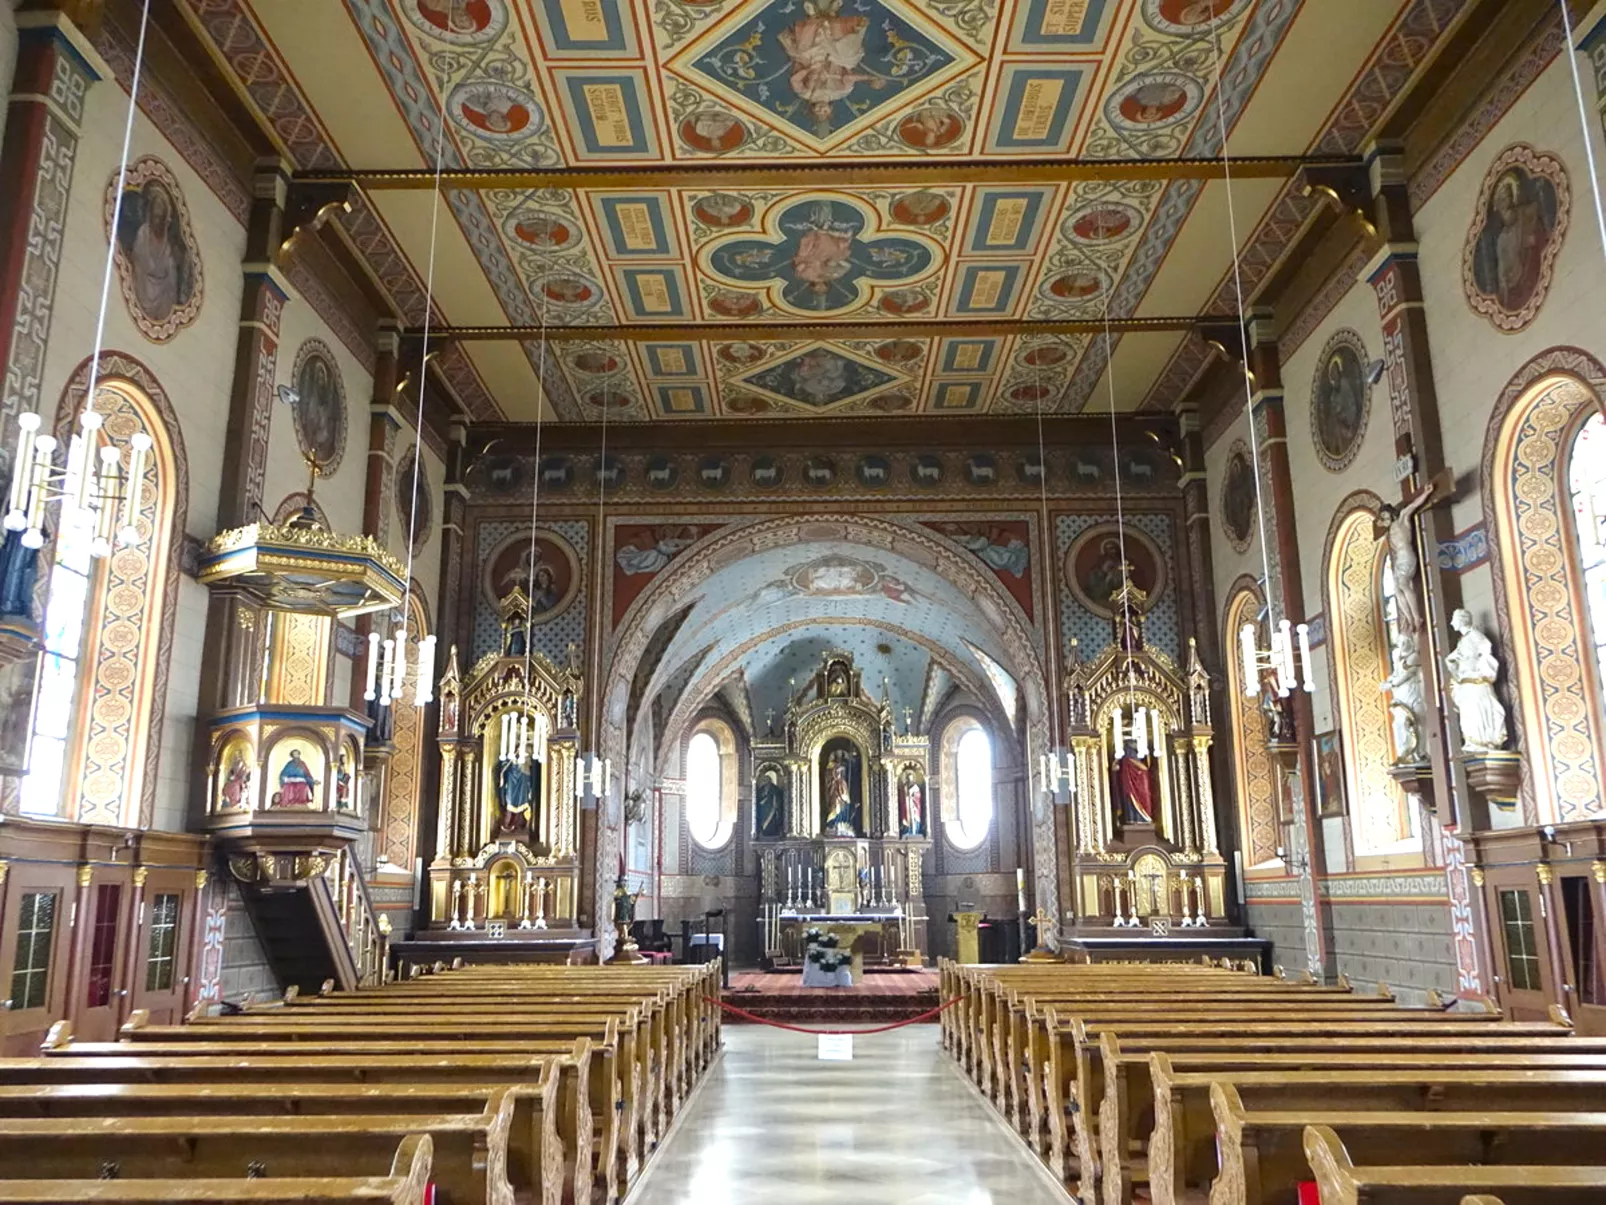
(878, 168)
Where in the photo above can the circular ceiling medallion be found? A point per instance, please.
(722, 209)
(1188, 18)
(740, 353)
(543, 230)
(1043, 355)
(496, 110)
(1153, 102)
(899, 302)
(1074, 286)
(899, 351)
(594, 362)
(1104, 222)
(920, 208)
(930, 127)
(573, 290)
(458, 22)
(731, 304)
(712, 131)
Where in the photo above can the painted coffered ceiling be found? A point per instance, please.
(867, 167)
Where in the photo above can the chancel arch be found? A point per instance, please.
(1541, 433)
(109, 622)
(1358, 642)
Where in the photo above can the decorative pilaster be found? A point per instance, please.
(1285, 591)
(1396, 278)
(55, 67)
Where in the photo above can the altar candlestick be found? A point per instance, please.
(1199, 898)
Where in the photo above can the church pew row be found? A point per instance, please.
(1341, 1182)
(534, 1155)
(532, 1087)
(1064, 1054)
(1262, 1157)
(1146, 1079)
(405, 1183)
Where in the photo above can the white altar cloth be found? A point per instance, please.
(814, 976)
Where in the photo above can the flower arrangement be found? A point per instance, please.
(823, 950)
(818, 937)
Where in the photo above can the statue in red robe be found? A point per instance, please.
(1134, 778)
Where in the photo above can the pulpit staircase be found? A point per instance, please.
(319, 929)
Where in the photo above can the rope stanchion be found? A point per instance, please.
(758, 1020)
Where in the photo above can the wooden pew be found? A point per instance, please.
(1343, 1183)
(1262, 1158)
(405, 1184)
(1129, 1107)
(535, 1151)
(1182, 1149)
(469, 1164)
(589, 1128)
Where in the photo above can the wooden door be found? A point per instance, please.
(159, 974)
(1524, 984)
(34, 947)
(103, 996)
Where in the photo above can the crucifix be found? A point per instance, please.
(769, 722)
(908, 717)
(1397, 524)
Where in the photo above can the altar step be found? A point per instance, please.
(880, 998)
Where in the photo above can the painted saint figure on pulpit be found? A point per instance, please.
(1134, 780)
(839, 788)
(296, 783)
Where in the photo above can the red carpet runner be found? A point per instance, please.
(882, 997)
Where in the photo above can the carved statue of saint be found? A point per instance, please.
(1407, 702)
(513, 797)
(769, 805)
(1278, 710)
(1473, 669)
(911, 805)
(1134, 779)
(836, 786)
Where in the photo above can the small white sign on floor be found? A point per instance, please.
(836, 1047)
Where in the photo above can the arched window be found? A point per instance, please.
(1542, 458)
(1257, 779)
(1586, 478)
(704, 790)
(1360, 608)
(108, 624)
(973, 777)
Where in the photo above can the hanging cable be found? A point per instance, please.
(1583, 120)
(117, 212)
(535, 491)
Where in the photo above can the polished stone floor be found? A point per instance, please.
(773, 1125)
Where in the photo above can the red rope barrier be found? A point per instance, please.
(757, 1020)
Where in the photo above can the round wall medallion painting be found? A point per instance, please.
(1340, 400)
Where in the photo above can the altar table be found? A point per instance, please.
(872, 937)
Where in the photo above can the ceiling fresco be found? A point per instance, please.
(721, 89)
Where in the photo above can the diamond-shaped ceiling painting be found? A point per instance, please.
(867, 96)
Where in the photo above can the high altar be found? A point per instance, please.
(508, 836)
(841, 823)
(1145, 853)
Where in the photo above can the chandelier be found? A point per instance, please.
(91, 486)
(1280, 661)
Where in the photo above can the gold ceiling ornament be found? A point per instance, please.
(291, 567)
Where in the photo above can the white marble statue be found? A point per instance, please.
(1407, 702)
(1473, 668)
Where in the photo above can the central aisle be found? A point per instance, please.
(772, 1124)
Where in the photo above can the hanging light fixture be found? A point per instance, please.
(594, 773)
(387, 658)
(1055, 767)
(1288, 671)
(91, 486)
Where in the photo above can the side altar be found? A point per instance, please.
(1146, 864)
(840, 821)
(508, 836)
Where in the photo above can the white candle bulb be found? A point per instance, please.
(21, 463)
(369, 691)
(1304, 657)
(1115, 726)
(385, 673)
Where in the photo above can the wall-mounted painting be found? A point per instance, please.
(546, 569)
(1509, 258)
(1238, 498)
(1329, 774)
(412, 500)
(1340, 400)
(320, 407)
(158, 257)
(1093, 566)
